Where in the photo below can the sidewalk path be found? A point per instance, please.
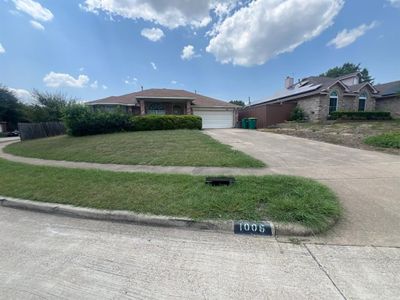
(132, 168)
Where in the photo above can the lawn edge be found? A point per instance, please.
(278, 229)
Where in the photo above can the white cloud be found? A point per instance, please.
(53, 79)
(174, 82)
(104, 87)
(2, 50)
(94, 84)
(188, 52)
(395, 3)
(23, 95)
(36, 25)
(34, 9)
(347, 37)
(153, 65)
(131, 81)
(264, 29)
(152, 34)
(168, 13)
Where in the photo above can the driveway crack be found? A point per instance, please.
(326, 273)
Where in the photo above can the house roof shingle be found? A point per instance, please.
(132, 98)
(389, 88)
(314, 85)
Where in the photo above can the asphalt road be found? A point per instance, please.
(54, 257)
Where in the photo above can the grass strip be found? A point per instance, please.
(163, 148)
(276, 198)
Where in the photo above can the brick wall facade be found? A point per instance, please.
(389, 104)
(311, 106)
(317, 107)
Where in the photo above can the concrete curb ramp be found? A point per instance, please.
(278, 229)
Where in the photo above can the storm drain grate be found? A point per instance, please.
(217, 181)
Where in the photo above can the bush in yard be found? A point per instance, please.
(297, 114)
(360, 115)
(81, 120)
(386, 140)
(166, 122)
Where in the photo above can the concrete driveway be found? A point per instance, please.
(367, 183)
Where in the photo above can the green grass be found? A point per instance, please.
(277, 198)
(386, 140)
(164, 148)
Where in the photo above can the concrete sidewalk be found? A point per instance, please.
(132, 168)
(9, 139)
(367, 183)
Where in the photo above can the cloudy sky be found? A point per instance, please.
(228, 49)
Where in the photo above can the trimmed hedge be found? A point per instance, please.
(360, 115)
(81, 120)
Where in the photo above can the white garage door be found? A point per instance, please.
(215, 118)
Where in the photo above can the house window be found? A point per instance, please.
(333, 102)
(362, 101)
(177, 110)
(156, 109)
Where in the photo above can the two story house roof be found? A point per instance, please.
(315, 85)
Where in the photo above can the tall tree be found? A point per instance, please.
(49, 107)
(10, 108)
(237, 102)
(348, 68)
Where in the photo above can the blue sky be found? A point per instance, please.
(227, 49)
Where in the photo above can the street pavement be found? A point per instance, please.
(47, 256)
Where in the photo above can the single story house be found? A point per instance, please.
(389, 99)
(215, 113)
(318, 96)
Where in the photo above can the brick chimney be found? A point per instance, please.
(289, 81)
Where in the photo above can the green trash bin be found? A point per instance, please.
(252, 123)
(245, 123)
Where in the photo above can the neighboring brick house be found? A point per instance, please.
(215, 113)
(389, 99)
(319, 96)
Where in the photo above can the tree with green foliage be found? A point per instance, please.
(237, 102)
(48, 107)
(348, 68)
(11, 110)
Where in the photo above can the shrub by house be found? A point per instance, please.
(81, 120)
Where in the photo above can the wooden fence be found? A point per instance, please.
(268, 114)
(29, 131)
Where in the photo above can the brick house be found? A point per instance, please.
(319, 96)
(389, 99)
(215, 113)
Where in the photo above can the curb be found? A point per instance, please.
(278, 229)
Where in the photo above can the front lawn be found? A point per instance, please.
(164, 148)
(350, 133)
(276, 198)
(386, 140)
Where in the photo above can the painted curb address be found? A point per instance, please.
(260, 228)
